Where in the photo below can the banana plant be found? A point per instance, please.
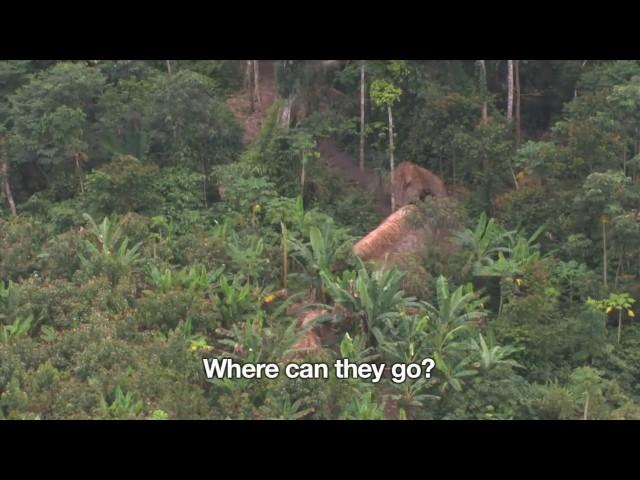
(371, 296)
(291, 411)
(412, 395)
(195, 277)
(356, 350)
(235, 300)
(19, 328)
(405, 338)
(452, 372)
(503, 268)
(249, 258)
(491, 355)
(317, 256)
(109, 247)
(7, 298)
(124, 405)
(363, 408)
(454, 314)
(484, 241)
(523, 250)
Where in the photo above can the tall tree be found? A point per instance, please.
(256, 82)
(510, 89)
(249, 84)
(384, 94)
(13, 74)
(483, 90)
(516, 73)
(4, 174)
(362, 96)
(50, 118)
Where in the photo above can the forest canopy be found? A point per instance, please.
(484, 214)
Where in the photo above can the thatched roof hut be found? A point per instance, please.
(396, 234)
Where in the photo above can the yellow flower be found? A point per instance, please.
(608, 310)
(631, 314)
(269, 298)
(519, 282)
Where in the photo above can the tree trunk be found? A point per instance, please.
(618, 270)
(510, 90)
(285, 256)
(169, 67)
(453, 168)
(249, 84)
(302, 178)
(516, 72)
(391, 159)
(604, 253)
(575, 90)
(285, 115)
(362, 91)
(79, 170)
(204, 181)
(586, 408)
(510, 113)
(483, 91)
(619, 324)
(256, 82)
(6, 187)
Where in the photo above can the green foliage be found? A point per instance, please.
(123, 406)
(486, 239)
(108, 251)
(364, 408)
(188, 124)
(20, 327)
(235, 300)
(195, 277)
(372, 296)
(491, 355)
(21, 240)
(124, 185)
(452, 315)
(384, 93)
(203, 247)
(318, 256)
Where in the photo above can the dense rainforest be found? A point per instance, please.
(157, 213)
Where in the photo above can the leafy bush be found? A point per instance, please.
(21, 240)
(123, 185)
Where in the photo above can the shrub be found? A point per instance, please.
(121, 186)
(21, 240)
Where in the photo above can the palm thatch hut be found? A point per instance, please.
(396, 234)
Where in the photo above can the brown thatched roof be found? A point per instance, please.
(396, 234)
